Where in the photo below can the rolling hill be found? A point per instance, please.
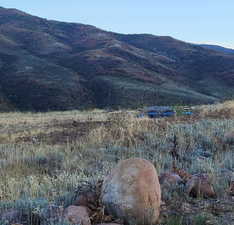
(218, 48)
(50, 65)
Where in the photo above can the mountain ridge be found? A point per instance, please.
(218, 48)
(50, 65)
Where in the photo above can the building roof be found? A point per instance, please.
(159, 108)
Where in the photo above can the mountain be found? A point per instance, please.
(218, 48)
(51, 65)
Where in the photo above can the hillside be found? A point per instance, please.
(218, 48)
(51, 65)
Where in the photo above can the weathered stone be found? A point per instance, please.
(77, 215)
(200, 186)
(132, 192)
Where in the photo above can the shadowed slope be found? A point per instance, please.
(50, 65)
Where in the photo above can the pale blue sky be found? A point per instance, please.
(198, 21)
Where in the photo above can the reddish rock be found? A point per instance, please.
(200, 186)
(132, 192)
(77, 215)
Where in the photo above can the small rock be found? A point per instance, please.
(200, 186)
(132, 192)
(77, 215)
(229, 138)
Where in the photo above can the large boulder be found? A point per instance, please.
(132, 192)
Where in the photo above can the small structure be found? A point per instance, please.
(160, 111)
(187, 111)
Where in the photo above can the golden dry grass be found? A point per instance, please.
(47, 155)
(222, 110)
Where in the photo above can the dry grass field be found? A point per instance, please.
(44, 157)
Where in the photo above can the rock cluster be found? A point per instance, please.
(130, 194)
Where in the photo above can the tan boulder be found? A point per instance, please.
(77, 215)
(200, 186)
(132, 192)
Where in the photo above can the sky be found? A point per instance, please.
(198, 21)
